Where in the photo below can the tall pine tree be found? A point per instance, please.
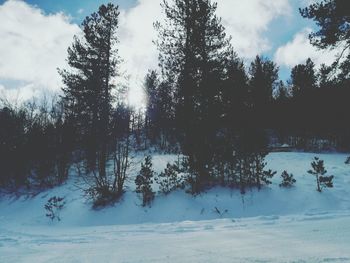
(93, 61)
(263, 77)
(193, 49)
(303, 78)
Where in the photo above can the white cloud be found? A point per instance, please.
(299, 49)
(136, 34)
(32, 46)
(247, 21)
(305, 3)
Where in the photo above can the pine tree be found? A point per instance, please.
(250, 152)
(152, 113)
(170, 179)
(166, 111)
(144, 182)
(93, 61)
(234, 91)
(53, 207)
(282, 92)
(347, 161)
(332, 17)
(324, 77)
(287, 179)
(193, 48)
(263, 77)
(259, 175)
(319, 171)
(159, 109)
(303, 78)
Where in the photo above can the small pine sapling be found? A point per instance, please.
(287, 179)
(144, 182)
(219, 212)
(262, 176)
(347, 161)
(53, 207)
(170, 179)
(258, 171)
(319, 171)
(266, 176)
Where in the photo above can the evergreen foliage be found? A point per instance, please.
(319, 171)
(193, 48)
(170, 179)
(347, 161)
(53, 207)
(303, 78)
(93, 60)
(88, 95)
(144, 182)
(287, 179)
(333, 19)
(332, 16)
(263, 77)
(35, 144)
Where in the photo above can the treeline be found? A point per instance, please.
(223, 114)
(311, 112)
(89, 128)
(40, 143)
(202, 103)
(36, 145)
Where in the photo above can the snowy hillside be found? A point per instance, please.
(272, 225)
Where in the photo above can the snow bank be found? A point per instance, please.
(274, 224)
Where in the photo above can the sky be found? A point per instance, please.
(35, 35)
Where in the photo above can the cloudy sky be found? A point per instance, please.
(35, 34)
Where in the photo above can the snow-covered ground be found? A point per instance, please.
(271, 225)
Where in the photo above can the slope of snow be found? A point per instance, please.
(271, 225)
